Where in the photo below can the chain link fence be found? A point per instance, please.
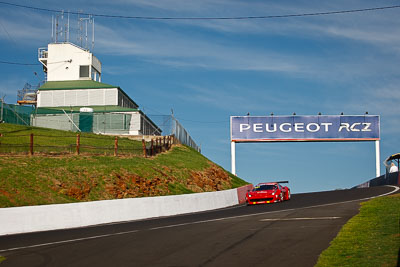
(15, 114)
(171, 126)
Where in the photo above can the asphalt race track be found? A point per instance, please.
(292, 233)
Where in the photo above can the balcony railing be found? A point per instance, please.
(42, 52)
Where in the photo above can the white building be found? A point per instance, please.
(68, 62)
(82, 93)
(74, 87)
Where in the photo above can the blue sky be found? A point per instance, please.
(209, 70)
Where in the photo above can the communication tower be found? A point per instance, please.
(84, 24)
(60, 29)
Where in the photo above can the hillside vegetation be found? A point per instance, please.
(63, 178)
(370, 238)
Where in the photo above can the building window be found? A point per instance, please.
(83, 71)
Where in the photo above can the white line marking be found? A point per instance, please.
(277, 211)
(198, 222)
(69, 241)
(299, 219)
(190, 223)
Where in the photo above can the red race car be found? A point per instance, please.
(268, 193)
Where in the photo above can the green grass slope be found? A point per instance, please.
(16, 139)
(48, 179)
(371, 238)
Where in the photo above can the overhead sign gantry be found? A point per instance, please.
(320, 128)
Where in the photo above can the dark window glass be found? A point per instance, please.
(83, 71)
(264, 187)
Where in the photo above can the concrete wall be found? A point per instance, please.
(57, 121)
(134, 128)
(386, 179)
(63, 216)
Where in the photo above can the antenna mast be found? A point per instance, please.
(83, 24)
(60, 29)
(57, 29)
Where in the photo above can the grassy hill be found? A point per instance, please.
(63, 178)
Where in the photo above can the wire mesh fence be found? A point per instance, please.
(15, 114)
(171, 126)
(99, 122)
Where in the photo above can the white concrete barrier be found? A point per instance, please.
(63, 216)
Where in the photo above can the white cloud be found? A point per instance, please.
(162, 43)
(378, 100)
(232, 98)
(25, 28)
(179, 50)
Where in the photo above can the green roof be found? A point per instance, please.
(96, 109)
(78, 84)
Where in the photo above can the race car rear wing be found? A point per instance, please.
(282, 182)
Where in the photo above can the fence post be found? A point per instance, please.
(116, 146)
(152, 147)
(165, 148)
(78, 144)
(31, 145)
(157, 146)
(144, 148)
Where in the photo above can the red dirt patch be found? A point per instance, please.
(211, 179)
(127, 185)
